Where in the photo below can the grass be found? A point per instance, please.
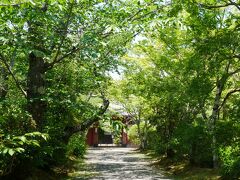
(182, 170)
(75, 168)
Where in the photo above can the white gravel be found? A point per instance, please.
(120, 163)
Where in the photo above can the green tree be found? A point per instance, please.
(54, 59)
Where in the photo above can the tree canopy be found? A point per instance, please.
(179, 68)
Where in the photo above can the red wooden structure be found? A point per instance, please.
(92, 135)
(93, 138)
(124, 138)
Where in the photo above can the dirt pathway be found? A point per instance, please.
(120, 163)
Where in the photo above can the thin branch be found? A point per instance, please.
(50, 65)
(149, 13)
(65, 33)
(234, 72)
(74, 49)
(228, 66)
(219, 6)
(125, 42)
(227, 96)
(7, 5)
(235, 4)
(89, 97)
(14, 78)
(134, 17)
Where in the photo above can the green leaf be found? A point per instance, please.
(45, 137)
(11, 152)
(20, 150)
(35, 143)
(20, 142)
(5, 150)
(23, 138)
(32, 2)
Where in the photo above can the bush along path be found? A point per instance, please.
(117, 163)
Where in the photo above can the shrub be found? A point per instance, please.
(230, 158)
(133, 135)
(76, 145)
(13, 148)
(155, 142)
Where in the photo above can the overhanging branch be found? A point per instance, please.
(13, 76)
(237, 5)
(227, 96)
(231, 3)
(69, 131)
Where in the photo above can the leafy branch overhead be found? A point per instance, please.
(170, 69)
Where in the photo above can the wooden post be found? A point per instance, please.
(124, 138)
(95, 137)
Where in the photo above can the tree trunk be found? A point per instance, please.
(140, 134)
(169, 131)
(193, 150)
(145, 134)
(4, 86)
(35, 89)
(213, 119)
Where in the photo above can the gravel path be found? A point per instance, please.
(120, 163)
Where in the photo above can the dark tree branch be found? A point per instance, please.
(234, 72)
(14, 78)
(96, 118)
(237, 5)
(69, 131)
(236, 56)
(227, 96)
(49, 66)
(227, 67)
(231, 3)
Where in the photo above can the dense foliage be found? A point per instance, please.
(182, 78)
(180, 61)
(54, 60)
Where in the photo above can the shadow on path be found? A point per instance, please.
(119, 163)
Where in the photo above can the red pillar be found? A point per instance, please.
(124, 138)
(92, 136)
(89, 139)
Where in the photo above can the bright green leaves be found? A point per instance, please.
(15, 145)
(13, 151)
(185, 69)
(9, 151)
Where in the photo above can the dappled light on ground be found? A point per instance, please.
(120, 163)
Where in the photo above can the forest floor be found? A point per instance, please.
(116, 163)
(181, 169)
